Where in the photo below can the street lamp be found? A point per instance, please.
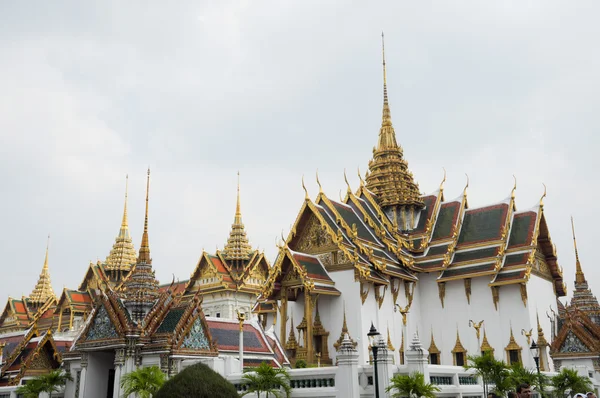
(373, 339)
(535, 352)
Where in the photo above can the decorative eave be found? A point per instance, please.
(485, 344)
(433, 349)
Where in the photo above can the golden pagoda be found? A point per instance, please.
(238, 249)
(43, 288)
(388, 177)
(141, 287)
(122, 256)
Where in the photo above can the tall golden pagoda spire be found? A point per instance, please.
(579, 276)
(388, 176)
(237, 246)
(122, 255)
(141, 287)
(43, 288)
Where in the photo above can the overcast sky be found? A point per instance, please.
(92, 91)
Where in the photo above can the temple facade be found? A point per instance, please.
(426, 270)
(468, 280)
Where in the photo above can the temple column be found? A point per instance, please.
(385, 363)
(119, 361)
(60, 319)
(417, 357)
(283, 309)
(346, 378)
(82, 377)
(308, 304)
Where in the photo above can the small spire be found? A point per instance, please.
(144, 255)
(390, 346)
(541, 342)
(124, 223)
(237, 246)
(387, 137)
(122, 255)
(43, 288)
(238, 212)
(512, 193)
(579, 276)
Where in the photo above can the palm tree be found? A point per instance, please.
(31, 389)
(411, 385)
(520, 375)
(269, 380)
(569, 380)
(144, 382)
(49, 383)
(491, 371)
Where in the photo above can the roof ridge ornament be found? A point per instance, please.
(579, 276)
(347, 183)
(443, 180)
(306, 197)
(319, 182)
(43, 288)
(543, 196)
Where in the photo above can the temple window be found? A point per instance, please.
(513, 351)
(434, 359)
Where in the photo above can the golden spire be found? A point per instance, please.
(433, 349)
(141, 287)
(292, 343)
(389, 177)
(237, 246)
(541, 340)
(338, 343)
(144, 256)
(390, 347)
(123, 255)
(485, 344)
(579, 276)
(43, 288)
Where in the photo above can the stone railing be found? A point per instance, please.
(308, 382)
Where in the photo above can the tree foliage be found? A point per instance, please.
(411, 385)
(144, 382)
(267, 379)
(491, 371)
(568, 382)
(197, 381)
(48, 383)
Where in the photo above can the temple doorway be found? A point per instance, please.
(100, 378)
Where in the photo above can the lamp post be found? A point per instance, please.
(373, 338)
(535, 352)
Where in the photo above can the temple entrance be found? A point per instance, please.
(111, 383)
(100, 377)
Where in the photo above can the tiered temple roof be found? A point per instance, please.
(43, 288)
(238, 267)
(122, 255)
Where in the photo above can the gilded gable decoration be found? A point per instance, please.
(442, 292)
(485, 344)
(364, 291)
(237, 247)
(459, 352)
(495, 296)
(524, 294)
(390, 346)
(338, 344)
(395, 288)
(380, 294)
(468, 289)
(409, 291)
(513, 350)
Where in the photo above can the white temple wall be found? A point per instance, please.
(541, 301)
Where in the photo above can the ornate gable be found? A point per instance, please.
(101, 327)
(572, 344)
(314, 238)
(196, 338)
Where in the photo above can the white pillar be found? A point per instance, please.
(117, 385)
(82, 382)
(385, 363)
(346, 378)
(241, 346)
(417, 357)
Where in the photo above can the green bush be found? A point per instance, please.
(197, 381)
(300, 364)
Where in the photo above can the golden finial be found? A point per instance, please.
(144, 255)
(579, 276)
(319, 182)
(124, 223)
(362, 183)
(466, 186)
(238, 211)
(341, 198)
(543, 196)
(444, 180)
(306, 197)
(283, 239)
(512, 194)
(390, 347)
(347, 183)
